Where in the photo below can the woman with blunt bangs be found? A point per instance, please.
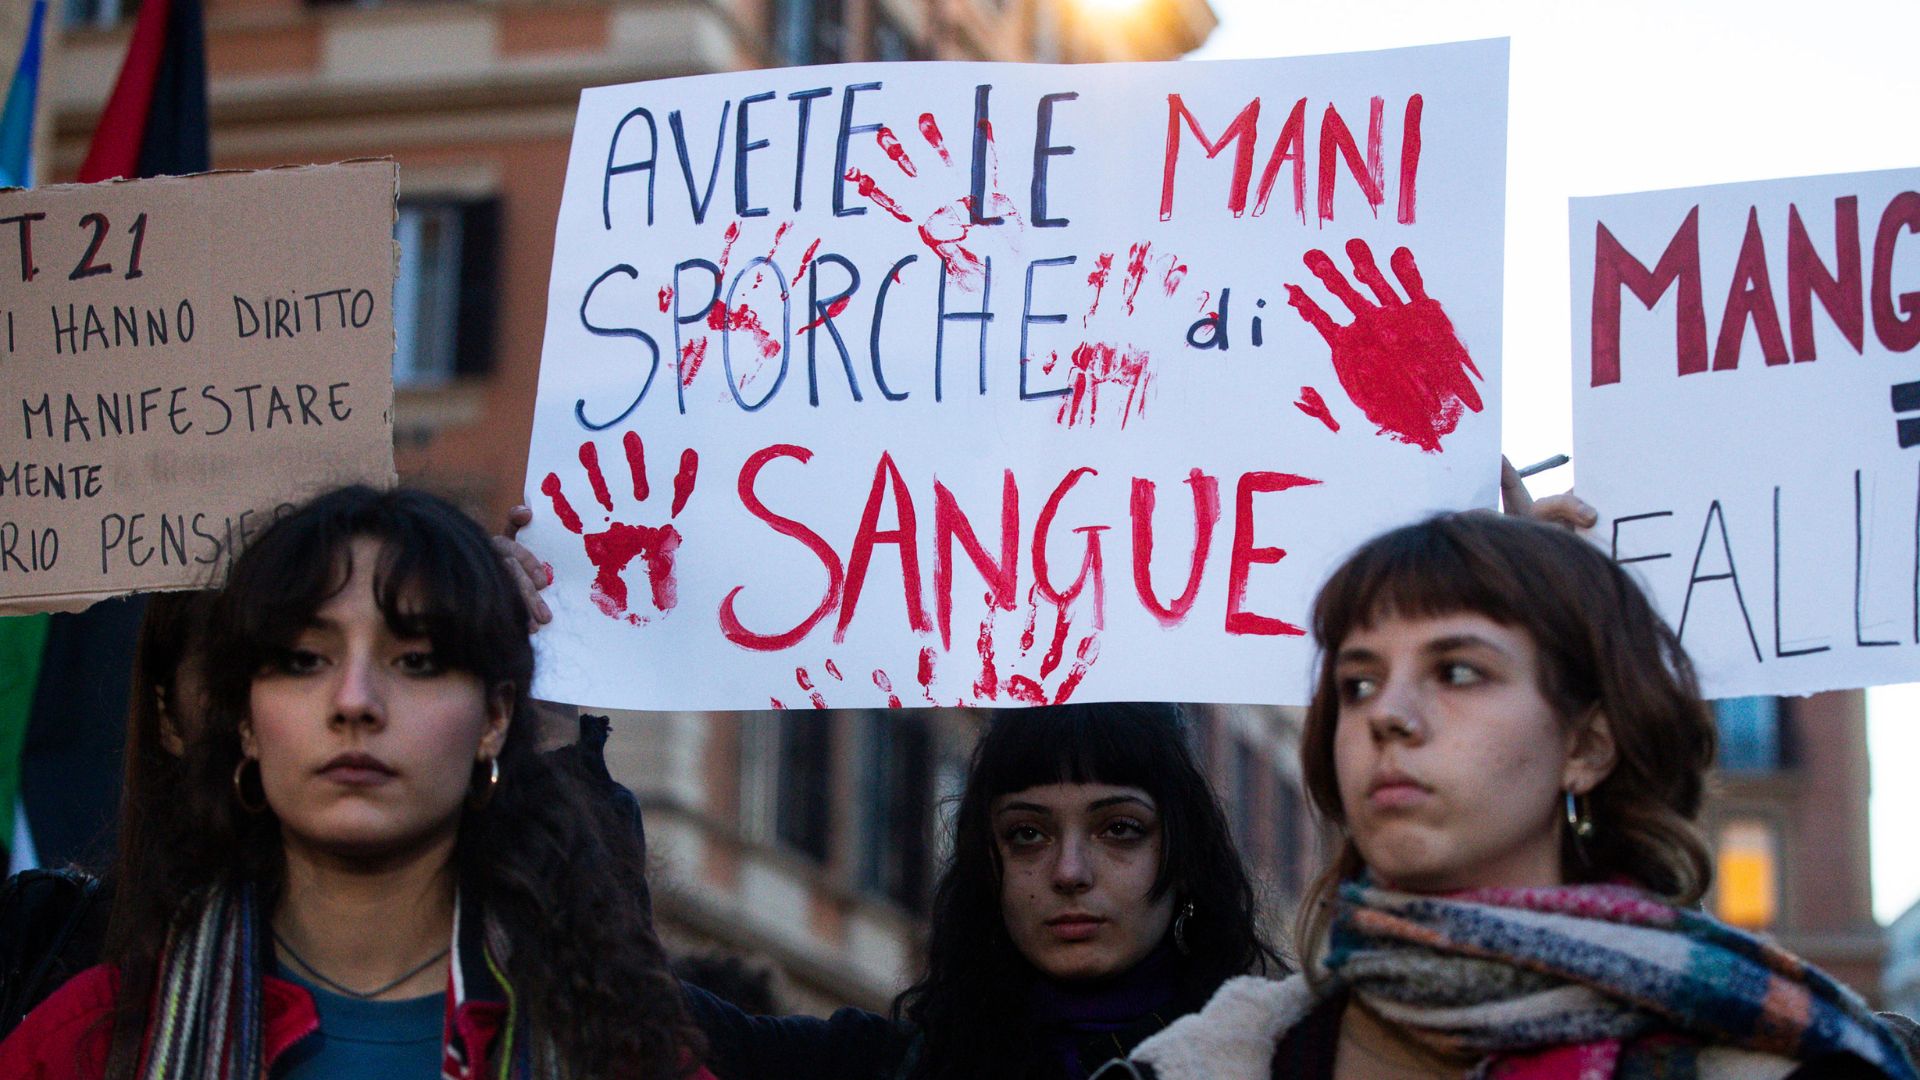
(1510, 745)
(371, 871)
(1093, 895)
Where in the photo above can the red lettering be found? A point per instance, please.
(730, 625)
(1292, 146)
(1808, 277)
(1206, 514)
(1750, 299)
(1337, 141)
(906, 535)
(1090, 565)
(1409, 156)
(949, 524)
(1245, 554)
(1241, 133)
(1614, 268)
(1896, 333)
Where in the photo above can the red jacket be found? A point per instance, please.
(68, 1037)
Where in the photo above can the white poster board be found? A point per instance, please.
(916, 384)
(1747, 420)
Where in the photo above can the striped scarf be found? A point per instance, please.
(206, 1021)
(1593, 981)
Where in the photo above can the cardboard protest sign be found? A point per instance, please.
(877, 385)
(180, 358)
(1743, 417)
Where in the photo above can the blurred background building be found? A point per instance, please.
(1787, 821)
(809, 841)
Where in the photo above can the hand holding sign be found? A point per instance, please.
(1400, 361)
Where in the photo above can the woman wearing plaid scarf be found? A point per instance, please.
(1510, 745)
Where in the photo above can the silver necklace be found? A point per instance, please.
(347, 991)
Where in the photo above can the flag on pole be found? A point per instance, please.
(16, 122)
(155, 123)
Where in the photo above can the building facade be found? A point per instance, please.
(1787, 821)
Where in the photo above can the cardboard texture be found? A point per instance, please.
(1746, 416)
(179, 357)
(995, 384)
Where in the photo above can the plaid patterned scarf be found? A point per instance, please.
(1593, 981)
(206, 1022)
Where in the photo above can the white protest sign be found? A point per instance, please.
(996, 384)
(1746, 417)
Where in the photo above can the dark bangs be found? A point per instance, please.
(437, 578)
(1115, 744)
(1126, 744)
(1438, 567)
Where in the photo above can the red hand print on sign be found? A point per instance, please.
(944, 223)
(612, 550)
(1400, 362)
(1123, 369)
(1045, 670)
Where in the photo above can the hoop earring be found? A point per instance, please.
(240, 788)
(493, 784)
(1579, 822)
(1180, 929)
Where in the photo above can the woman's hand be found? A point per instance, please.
(1565, 509)
(528, 572)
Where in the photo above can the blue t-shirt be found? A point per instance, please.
(366, 1040)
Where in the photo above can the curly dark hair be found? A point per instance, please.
(971, 1007)
(546, 856)
(1601, 646)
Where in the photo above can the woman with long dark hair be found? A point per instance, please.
(1093, 895)
(372, 870)
(1510, 746)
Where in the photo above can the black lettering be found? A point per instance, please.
(982, 144)
(28, 271)
(823, 312)
(1780, 652)
(1028, 318)
(879, 313)
(307, 395)
(1044, 149)
(742, 146)
(85, 268)
(1716, 516)
(175, 411)
(227, 410)
(613, 147)
(697, 201)
(243, 314)
(942, 316)
(848, 129)
(805, 98)
(653, 348)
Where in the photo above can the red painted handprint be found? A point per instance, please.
(1400, 362)
(942, 221)
(613, 549)
(1055, 664)
(1123, 369)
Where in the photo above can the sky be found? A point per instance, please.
(1633, 95)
